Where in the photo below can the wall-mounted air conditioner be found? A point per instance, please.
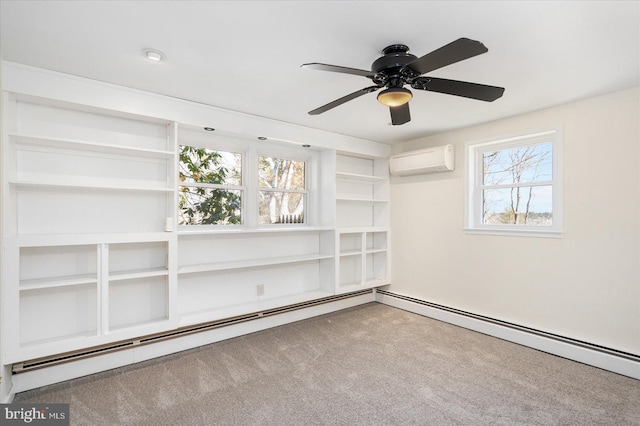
(428, 160)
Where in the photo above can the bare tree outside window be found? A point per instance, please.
(513, 185)
(517, 185)
(282, 190)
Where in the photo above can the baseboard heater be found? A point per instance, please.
(66, 357)
(556, 337)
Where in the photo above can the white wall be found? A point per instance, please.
(585, 285)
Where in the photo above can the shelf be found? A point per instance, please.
(62, 185)
(132, 275)
(361, 200)
(360, 229)
(359, 178)
(41, 283)
(376, 282)
(351, 284)
(350, 253)
(375, 250)
(246, 230)
(88, 146)
(138, 324)
(221, 266)
(49, 240)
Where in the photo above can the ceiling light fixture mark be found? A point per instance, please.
(153, 55)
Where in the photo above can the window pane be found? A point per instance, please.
(530, 163)
(209, 206)
(280, 173)
(519, 206)
(201, 165)
(281, 207)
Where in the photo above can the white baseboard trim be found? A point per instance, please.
(623, 364)
(59, 373)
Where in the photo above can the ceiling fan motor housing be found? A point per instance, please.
(390, 65)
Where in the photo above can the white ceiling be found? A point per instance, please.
(246, 55)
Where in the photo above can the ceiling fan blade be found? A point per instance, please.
(400, 114)
(456, 51)
(343, 99)
(481, 92)
(336, 68)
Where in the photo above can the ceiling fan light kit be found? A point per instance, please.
(394, 96)
(397, 68)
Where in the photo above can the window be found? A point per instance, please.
(513, 185)
(282, 190)
(227, 182)
(210, 191)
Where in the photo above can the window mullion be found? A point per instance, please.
(251, 176)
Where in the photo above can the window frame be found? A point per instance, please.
(286, 153)
(474, 183)
(251, 152)
(227, 145)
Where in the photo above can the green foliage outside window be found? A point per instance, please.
(203, 199)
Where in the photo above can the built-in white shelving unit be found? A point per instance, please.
(98, 269)
(91, 206)
(362, 218)
(86, 195)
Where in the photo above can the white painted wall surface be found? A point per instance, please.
(585, 285)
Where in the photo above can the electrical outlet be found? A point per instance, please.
(260, 289)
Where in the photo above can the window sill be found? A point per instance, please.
(515, 232)
(275, 228)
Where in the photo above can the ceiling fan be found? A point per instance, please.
(398, 68)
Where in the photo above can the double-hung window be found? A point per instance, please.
(282, 190)
(514, 185)
(210, 191)
(241, 183)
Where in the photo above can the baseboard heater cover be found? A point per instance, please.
(556, 337)
(57, 359)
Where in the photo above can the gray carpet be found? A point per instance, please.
(369, 365)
